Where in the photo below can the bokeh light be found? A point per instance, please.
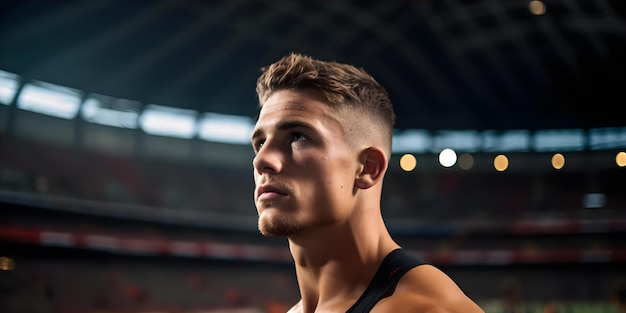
(620, 159)
(537, 7)
(558, 161)
(466, 161)
(501, 163)
(6, 264)
(408, 162)
(447, 157)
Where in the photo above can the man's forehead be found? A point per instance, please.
(294, 104)
(293, 108)
(291, 97)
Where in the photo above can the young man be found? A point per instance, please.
(322, 144)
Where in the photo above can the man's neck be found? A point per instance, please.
(335, 267)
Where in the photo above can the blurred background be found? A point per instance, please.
(125, 168)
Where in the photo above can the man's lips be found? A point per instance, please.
(269, 192)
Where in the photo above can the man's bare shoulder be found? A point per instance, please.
(297, 308)
(427, 289)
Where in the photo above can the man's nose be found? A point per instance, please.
(267, 160)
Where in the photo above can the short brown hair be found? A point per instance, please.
(340, 85)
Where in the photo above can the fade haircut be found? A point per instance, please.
(341, 86)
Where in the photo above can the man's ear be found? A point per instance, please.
(372, 168)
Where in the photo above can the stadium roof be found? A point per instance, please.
(447, 64)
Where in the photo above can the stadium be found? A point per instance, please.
(125, 159)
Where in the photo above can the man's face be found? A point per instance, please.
(304, 169)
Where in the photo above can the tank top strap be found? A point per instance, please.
(393, 267)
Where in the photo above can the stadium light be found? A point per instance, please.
(224, 128)
(8, 87)
(50, 99)
(168, 121)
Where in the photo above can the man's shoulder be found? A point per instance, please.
(427, 289)
(296, 308)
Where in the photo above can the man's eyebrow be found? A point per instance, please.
(285, 125)
(294, 124)
(257, 133)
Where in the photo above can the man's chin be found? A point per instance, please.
(277, 226)
(276, 232)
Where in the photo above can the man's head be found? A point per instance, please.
(322, 144)
(358, 98)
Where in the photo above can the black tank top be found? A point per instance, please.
(395, 264)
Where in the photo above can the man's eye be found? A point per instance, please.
(298, 137)
(258, 145)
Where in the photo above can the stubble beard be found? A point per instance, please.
(277, 226)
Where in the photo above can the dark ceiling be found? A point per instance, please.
(447, 64)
